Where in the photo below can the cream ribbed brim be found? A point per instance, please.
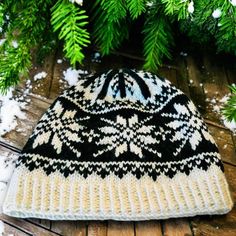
(35, 194)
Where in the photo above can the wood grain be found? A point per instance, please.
(148, 228)
(27, 227)
(177, 227)
(58, 84)
(42, 87)
(195, 82)
(118, 228)
(11, 230)
(169, 74)
(182, 75)
(69, 228)
(215, 86)
(225, 143)
(97, 228)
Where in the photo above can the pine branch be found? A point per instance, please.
(176, 8)
(226, 33)
(157, 40)
(136, 7)
(13, 64)
(69, 20)
(109, 29)
(115, 9)
(229, 111)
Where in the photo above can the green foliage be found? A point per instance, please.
(70, 21)
(115, 9)
(40, 26)
(176, 8)
(1, 15)
(136, 7)
(229, 111)
(226, 32)
(110, 27)
(13, 64)
(203, 27)
(157, 39)
(24, 23)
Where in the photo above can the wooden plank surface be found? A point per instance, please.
(225, 144)
(195, 82)
(57, 82)
(182, 75)
(42, 86)
(11, 230)
(118, 228)
(26, 226)
(69, 228)
(215, 85)
(177, 227)
(148, 228)
(97, 228)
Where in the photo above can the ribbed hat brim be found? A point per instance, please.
(35, 194)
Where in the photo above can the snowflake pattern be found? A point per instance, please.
(61, 126)
(125, 135)
(188, 126)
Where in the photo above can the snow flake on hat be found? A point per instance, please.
(61, 127)
(188, 126)
(123, 135)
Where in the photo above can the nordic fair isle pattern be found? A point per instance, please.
(122, 145)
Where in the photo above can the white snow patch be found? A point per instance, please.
(217, 13)
(2, 41)
(9, 112)
(2, 229)
(213, 101)
(229, 124)
(216, 108)
(40, 75)
(184, 54)
(224, 99)
(79, 2)
(7, 165)
(72, 75)
(225, 146)
(233, 2)
(14, 44)
(191, 7)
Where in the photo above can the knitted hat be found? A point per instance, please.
(122, 145)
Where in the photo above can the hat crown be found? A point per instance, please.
(122, 88)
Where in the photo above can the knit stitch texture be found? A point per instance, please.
(122, 145)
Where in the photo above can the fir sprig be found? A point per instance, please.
(70, 21)
(157, 40)
(110, 25)
(136, 7)
(176, 8)
(14, 64)
(229, 110)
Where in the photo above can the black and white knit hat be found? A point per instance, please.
(122, 145)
